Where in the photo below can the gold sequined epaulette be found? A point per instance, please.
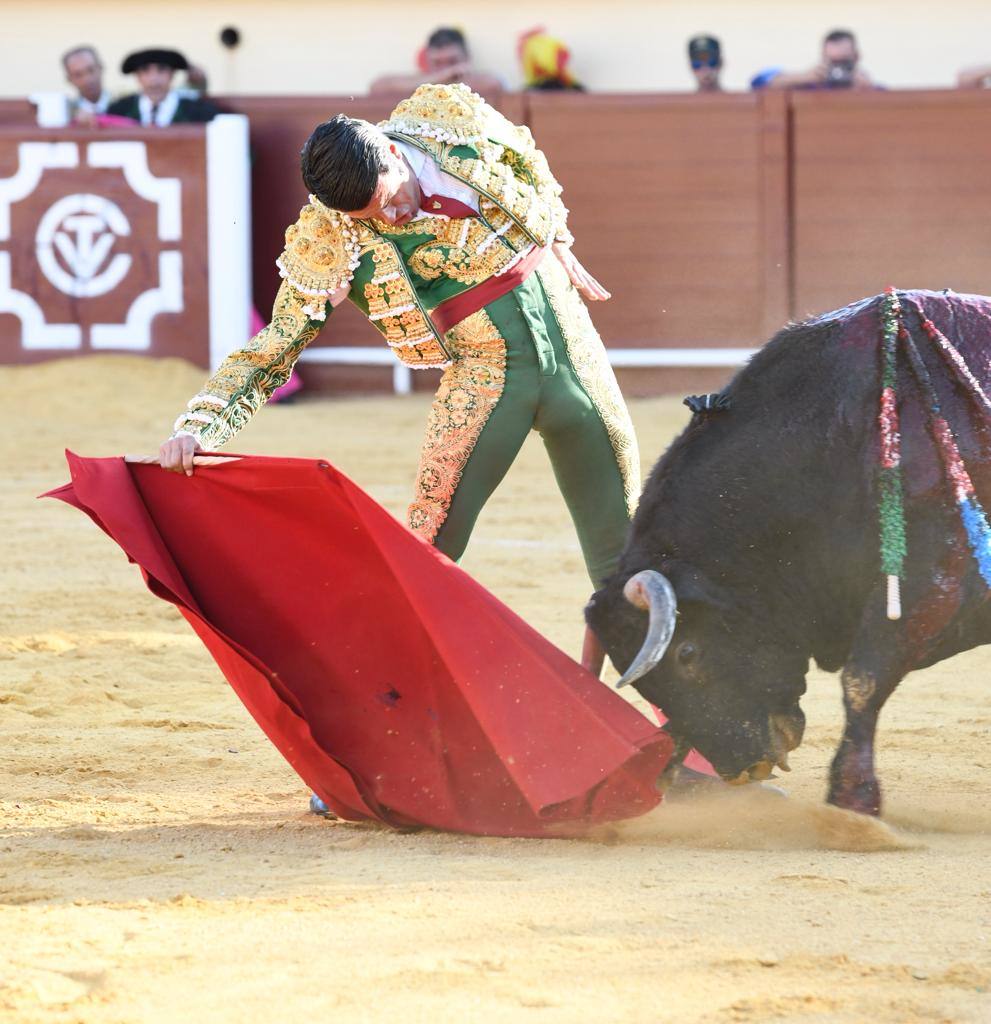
(449, 113)
(321, 253)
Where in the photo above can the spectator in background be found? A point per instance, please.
(196, 83)
(975, 78)
(838, 69)
(544, 60)
(706, 58)
(84, 72)
(443, 60)
(158, 103)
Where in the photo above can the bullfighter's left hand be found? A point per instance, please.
(579, 276)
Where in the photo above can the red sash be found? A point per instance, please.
(457, 308)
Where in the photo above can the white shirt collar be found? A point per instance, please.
(97, 107)
(165, 112)
(435, 182)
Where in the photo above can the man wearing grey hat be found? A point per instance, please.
(158, 103)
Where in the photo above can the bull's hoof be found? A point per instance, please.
(862, 798)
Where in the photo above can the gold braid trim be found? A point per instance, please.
(322, 250)
(506, 185)
(246, 379)
(394, 311)
(469, 390)
(528, 161)
(508, 167)
(499, 183)
(448, 113)
(588, 357)
(469, 250)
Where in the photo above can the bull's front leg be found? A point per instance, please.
(853, 784)
(882, 654)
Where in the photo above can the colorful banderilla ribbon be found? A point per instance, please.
(891, 511)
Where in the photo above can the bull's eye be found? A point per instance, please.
(686, 653)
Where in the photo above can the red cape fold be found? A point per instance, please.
(396, 686)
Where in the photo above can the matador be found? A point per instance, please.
(445, 226)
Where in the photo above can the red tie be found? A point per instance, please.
(448, 207)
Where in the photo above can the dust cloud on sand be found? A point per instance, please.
(755, 818)
(156, 863)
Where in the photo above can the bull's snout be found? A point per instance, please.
(784, 734)
(786, 731)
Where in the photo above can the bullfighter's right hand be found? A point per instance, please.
(176, 454)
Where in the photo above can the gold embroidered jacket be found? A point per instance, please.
(397, 275)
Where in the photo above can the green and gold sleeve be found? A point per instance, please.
(546, 186)
(246, 379)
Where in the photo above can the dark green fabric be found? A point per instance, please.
(543, 393)
(430, 292)
(189, 111)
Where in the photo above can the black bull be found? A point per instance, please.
(764, 518)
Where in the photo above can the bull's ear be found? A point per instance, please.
(691, 584)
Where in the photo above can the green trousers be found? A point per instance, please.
(542, 393)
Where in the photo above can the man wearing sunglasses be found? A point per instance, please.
(706, 59)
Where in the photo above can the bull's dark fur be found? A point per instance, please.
(764, 518)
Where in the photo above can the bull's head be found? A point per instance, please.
(728, 685)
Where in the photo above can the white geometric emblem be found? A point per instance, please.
(82, 229)
(74, 245)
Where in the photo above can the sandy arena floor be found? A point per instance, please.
(156, 863)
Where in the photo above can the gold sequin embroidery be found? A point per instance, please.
(393, 309)
(245, 380)
(469, 390)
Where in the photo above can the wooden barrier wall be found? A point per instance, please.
(124, 240)
(678, 207)
(712, 219)
(889, 188)
(75, 308)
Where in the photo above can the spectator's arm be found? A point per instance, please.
(483, 83)
(862, 80)
(974, 78)
(798, 79)
(405, 84)
(196, 79)
(392, 85)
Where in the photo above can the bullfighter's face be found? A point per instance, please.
(396, 199)
(727, 690)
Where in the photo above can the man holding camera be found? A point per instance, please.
(838, 69)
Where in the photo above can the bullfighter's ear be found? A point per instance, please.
(690, 584)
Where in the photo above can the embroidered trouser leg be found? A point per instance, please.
(513, 373)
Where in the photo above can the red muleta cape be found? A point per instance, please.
(393, 683)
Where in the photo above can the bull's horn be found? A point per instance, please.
(593, 653)
(650, 591)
